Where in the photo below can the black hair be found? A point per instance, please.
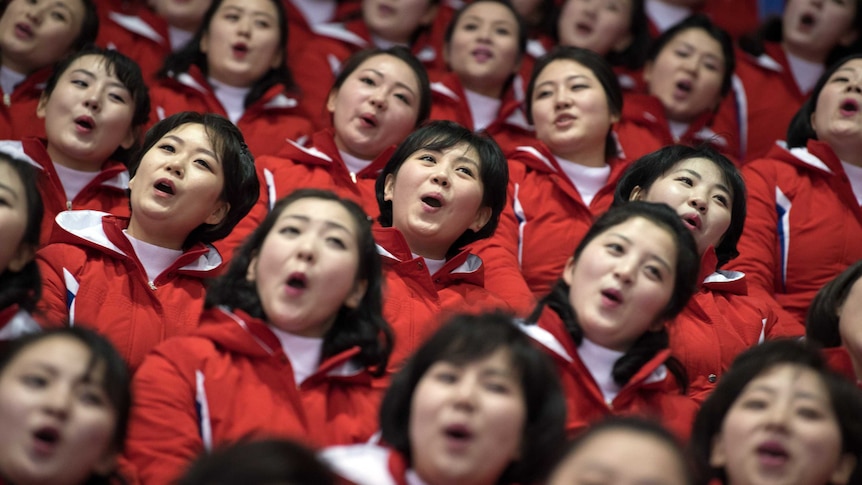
(24, 287)
(600, 69)
(519, 21)
(685, 283)
(399, 52)
(362, 326)
(845, 398)
(440, 135)
(702, 22)
(635, 54)
(799, 131)
(821, 324)
(647, 169)
(127, 72)
(268, 461)
(191, 54)
(471, 338)
(241, 186)
(115, 381)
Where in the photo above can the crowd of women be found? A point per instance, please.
(430, 242)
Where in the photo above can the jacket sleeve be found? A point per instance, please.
(59, 286)
(164, 431)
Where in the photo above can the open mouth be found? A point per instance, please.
(24, 29)
(85, 122)
(807, 20)
(165, 187)
(482, 54)
(370, 120)
(684, 85)
(612, 295)
(432, 201)
(297, 281)
(584, 28)
(849, 107)
(772, 453)
(692, 221)
(240, 48)
(458, 432)
(47, 436)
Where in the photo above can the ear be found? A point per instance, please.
(23, 255)
(623, 43)
(218, 214)
(389, 187)
(130, 138)
(717, 458)
(251, 271)
(842, 473)
(356, 295)
(106, 464)
(276, 59)
(637, 194)
(205, 42)
(42, 106)
(849, 37)
(647, 72)
(483, 215)
(330, 100)
(812, 123)
(656, 326)
(569, 270)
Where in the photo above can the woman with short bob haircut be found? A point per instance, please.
(486, 357)
(833, 321)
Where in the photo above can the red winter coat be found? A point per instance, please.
(266, 125)
(231, 380)
(651, 392)
(15, 322)
(416, 303)
(18, 112)
(91, 276)
(804, 224)
(367, 464)
(140, 34)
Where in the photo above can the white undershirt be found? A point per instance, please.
(588, 180)
(600, 362)
(9, 79)
(483, 108)
(178, 37)
(73, 181)
(677, 129)
(231, 98)
(664, 15)
(433, 265)
(382, 43)
(854, 174)
(156, 259)
(805, 73)
(354, 164)
(316, 11)
(303, 352)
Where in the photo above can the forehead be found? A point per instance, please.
(10, 178)
(851, 66)
(708, 170)
(389, 67)
(491, 11)
(62, 353)
(699, 39)
(499, 359)
(644, 234)
(322, 210)
(564, 68)
(93, 63)
(254, 6)
(191, 132)
(790, 377)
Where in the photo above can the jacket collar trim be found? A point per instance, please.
(135, 24)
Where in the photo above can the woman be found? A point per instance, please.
(804, 218)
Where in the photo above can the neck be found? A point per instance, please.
(485, 88)
(804, 53)
(159, 235)
(60, 158)
(850, 154)
(590, 155)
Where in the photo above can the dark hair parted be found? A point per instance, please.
(127, 72)
(403, 54)
(441, 135)
(191, 55)
(24, 287)
(800, 130)
(646, 170)
(702, 22)
(269, 461)
(821, 324)
(471, 338)
(115, 379)
(363, 326)
(519, 21)
(844, 397)
(241, 186)
(599, 67)
(685, 281)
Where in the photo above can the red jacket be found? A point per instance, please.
(367, 464)
(720, 321)
(416, 303)
(804, 224)
(18, 112)
(231, 380)
(91, 276)
(140, 34)
(15, 322)
(319, 166)
(764, 99)
(652, 391)
(266, 125)
(544, 220)
(106, 192)
(645, 128)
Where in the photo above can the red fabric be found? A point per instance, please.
(106, 192)
(265, 126)
(839, 360)
(819, 235)
(115, 296)
(585, 403)
(449, 102)
(238, 364)
(139, 33)
(764, 99)
(18, 111)
(416, 303)
(319, 166)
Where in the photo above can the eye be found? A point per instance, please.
(232, 17)
(337, 242)
(686, 181)
(289, 230)
(654, 273)
(427, 158)
(503, 31)
(681, 53)
(80, 83)
(446, 376)
(754, 403)
(34, 381)
(4, 202)
(466, 171)
(263, 24)
(711, 66)
(578, 87)
(58, 15)
(840, 79)
(203, 163)
(470, 26)
(809, 412)
(614, 248)
(92, 396)
(497, 387)
(542, 94)
(404, 98)
(367, 80)
(167, 147)
(117, 98)
(722, 200)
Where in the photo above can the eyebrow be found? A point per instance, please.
(198, 150)
(693, 47)
(566, 79)
(802, 394)
(651, 255)
(91, 75)
(7, 188)
(64, 6)
(397, 83)
(253, 12)
(330, 224)
(700, 177)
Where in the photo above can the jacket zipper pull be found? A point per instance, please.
(353, 177)
(152, 285)
(68, 205)
(7, 99)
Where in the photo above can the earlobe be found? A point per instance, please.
(844, 470)
(482, 218)
(330, 100)
(716, 455)
(251, 271)
(219, 214)
(130, 138)
(356, 295)
(569, 270)
(23, 255)
(42, 106)
(204, 43)
(812, 123)
(637, 193)
(388, 187)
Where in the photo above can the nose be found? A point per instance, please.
(698, 202)
(57, 400)
(378, 98)
(465, 393)
(624, 270)
(35, 15)
(562, 99)
(855, 86)
(777, 415)
(441, 178)
(92, 101)
(244, 27)
(175, 167)
(306, 248)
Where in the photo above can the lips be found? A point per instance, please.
(482, 54)
(240, 49)
(46, 439)
(692, 221)
(772, 454)
(297, 281)
(23, 30)
(807, 20)
(85, 123)
(584, 28)
(849, 107)
(434, 201)
(564, 119)
(369, 120)
(165, 186)
(613, 295)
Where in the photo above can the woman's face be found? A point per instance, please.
(686, 75)
(782, 429)
(14, 252)
(183, 14)
(622, 281)
(812, 28)
(467, 421)
(57, 420)
(376, 107)
(38, 33)
(837, 118)
(637, 458)
(696, 189)
(602, 26)
(242, 43)
(570, 110)
(436, 196)
(307, 267)
(88, 115)
(483, 50)
(850, 323)
(397, 21)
